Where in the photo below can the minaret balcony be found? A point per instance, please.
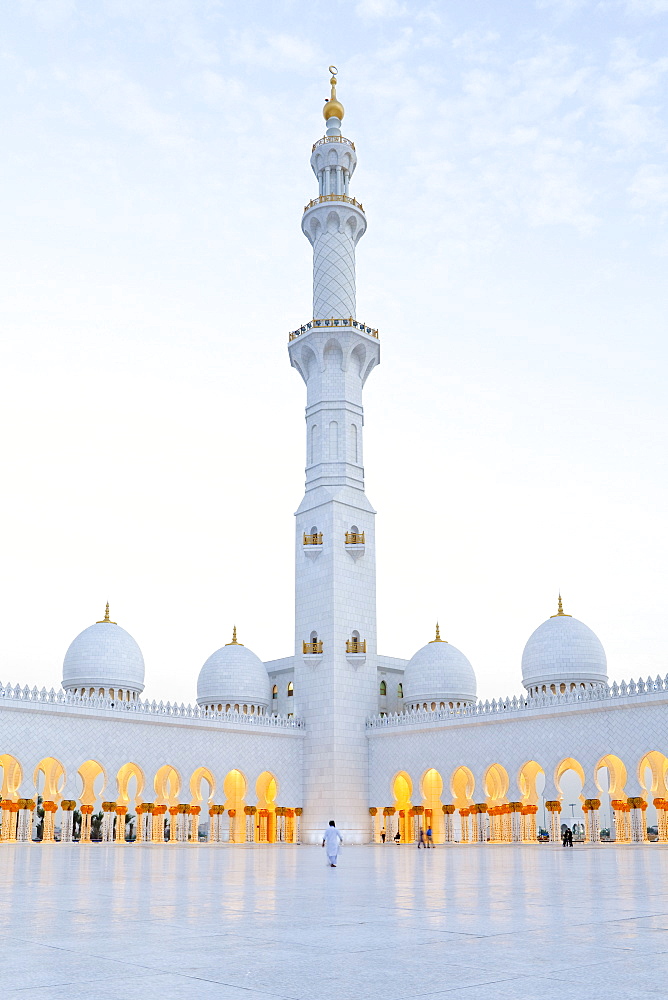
(322, 198)
(356, 647)
(312, 648)
(333, 138)
(354, 538)
(319, 323)
(313, 539)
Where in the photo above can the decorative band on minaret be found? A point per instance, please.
(333, 222)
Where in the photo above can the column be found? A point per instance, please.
(449, 832)
(481, 810)
(637, 807)
(553, 806)
(173, 813)
(592, 822)
(662, 818)
(194, 824)
(48, 828)
(298, 813)
(231, 813)
(86, 813)
(9, 821)
(25, 811)
(390, 825)
(373, 812)
(66, 830)
(250, 812)
(121, 811)
(464, 819)
(515, 822)
(109, 811)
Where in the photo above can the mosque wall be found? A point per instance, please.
(625, 728)
(33, 730)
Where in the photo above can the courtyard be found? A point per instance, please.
(252, 923)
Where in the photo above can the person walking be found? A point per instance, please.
(430, 837)
(383, 834)
(333, 839)
(570, 837)
(564, 837)
(421, 842)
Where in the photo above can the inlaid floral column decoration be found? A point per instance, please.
(26, 808)
(194, 823)
(494, 813)
(250, 813)
(464, 820)
(449, 827)
(121, 811)
(298, 813)
(86, 813)
(621, 818)
(388, 813)
(9, 818)
(553, 806)
(480, 830)
(215, 824)
(506, 824)
(49, 825)
(231, 814)
(662, 818)
(67, 826)
(158, 813)
(637, 806)
(280, 813)
(109, 810)
(515, 822)
(418, 813)
(592, 823)
(373, 812)
(140, 809)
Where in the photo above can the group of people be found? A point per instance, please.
(567, 837)
(426, 838)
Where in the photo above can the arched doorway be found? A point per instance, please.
(130, 782)
(570, 778)
(11, 775)
(653, 776)
(92, 779)
(402, 789)
(610, 777)
(462, 785)
(496, 784)
(234, 788)
(432, 789)
(266, 789)
(531, 783)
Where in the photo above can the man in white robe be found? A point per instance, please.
(332, 839)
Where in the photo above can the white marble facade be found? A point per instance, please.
(272, 751)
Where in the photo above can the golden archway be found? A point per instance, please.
(527, 781)
(432, 790)
(167, 784)
(462, 785)
(266, 789)
(616, 775)
(53, 775)
(234, 788)
(402, 789)
(94, 781)
(496, 782)
(657, 763)
(12, 776)
(125, 775)
(202, 786)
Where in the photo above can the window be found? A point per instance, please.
(400, 691)
(274, 691)
(383, 688)
(291, 689)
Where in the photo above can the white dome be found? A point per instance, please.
(563, 651)
(104, 656)
(439, 672)
(233, 675)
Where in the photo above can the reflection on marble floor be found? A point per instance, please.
(237, 923)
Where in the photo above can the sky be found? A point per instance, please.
(512, 165)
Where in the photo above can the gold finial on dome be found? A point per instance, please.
(106, 617)
(234, 638)
(438, 635)
(560, 611)
(333, 108)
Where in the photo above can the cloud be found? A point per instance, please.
(380, 9)
(649, 188)
(48, 13)
(648, 8)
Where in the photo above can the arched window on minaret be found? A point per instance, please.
(353, 443)
(333, 441)
(400, 691)
(383, 688)
(274, 692)
(313, 458)
(291, 689)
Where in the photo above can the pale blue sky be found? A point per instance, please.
(512, 163)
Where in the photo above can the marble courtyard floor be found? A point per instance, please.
(476, 922)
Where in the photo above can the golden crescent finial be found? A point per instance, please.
(333, 107)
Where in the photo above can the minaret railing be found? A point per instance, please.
(349, 322)
(334, 197)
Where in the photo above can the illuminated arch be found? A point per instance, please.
(124, 777)
(200, 775)
(496, 782)
(657, 763)
(527, 781)
(94, 781)
(462, 785)
(12, 776)
(167, 784)
(266, 788)
(402, 790)
(54, 779)
(234, 788)
(432, 790)
(616, 775)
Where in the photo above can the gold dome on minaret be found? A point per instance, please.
(333, 108)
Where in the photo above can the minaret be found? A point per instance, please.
(335, 579)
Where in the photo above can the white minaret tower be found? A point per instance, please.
(335, 600)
